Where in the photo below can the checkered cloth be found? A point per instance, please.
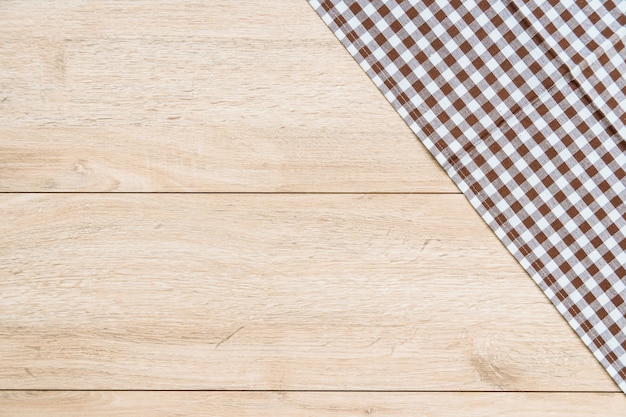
(523, 103)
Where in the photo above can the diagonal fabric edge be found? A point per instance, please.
(530, 126)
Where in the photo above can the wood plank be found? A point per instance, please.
(193, 96)
(336, 404)
(253, 291)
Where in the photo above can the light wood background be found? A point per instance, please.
(208, 209)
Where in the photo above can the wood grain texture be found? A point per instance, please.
(245, 291)
(369, 292)
(298, 404)
(193, 96)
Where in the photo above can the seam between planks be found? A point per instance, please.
(319, 391)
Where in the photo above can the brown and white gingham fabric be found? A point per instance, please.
(523, 103)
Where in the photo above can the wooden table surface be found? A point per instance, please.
(209, 209)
